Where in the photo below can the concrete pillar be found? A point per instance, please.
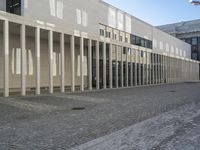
(122, 67)
(81, 63)
(72, 49)
(162, 69)
(50, 40)
(153, 69)
(147, 69)
(90, 63)
(97, 65)
(23, 59)
(131, 60)
(104, 65)
(158, 60)
(6, 57)
(143, 69)
(62, 52)
(139, 60)
(110, 65)
(136, 59)
(156, 68)
(37, 46)
(117, 67)
(170, 69)
(150, 67)
(127, 77)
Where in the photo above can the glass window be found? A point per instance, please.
(142, 54)
(13, 6)
(120, 38)
(194, 56)
(136, 40)
(101, 32)
(194, 41)
(124, 50)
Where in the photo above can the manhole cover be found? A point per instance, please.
(78, 108)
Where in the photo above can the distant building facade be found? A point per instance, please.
(189, 32)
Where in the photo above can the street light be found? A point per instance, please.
(195, 2)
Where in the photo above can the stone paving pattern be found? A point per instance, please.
(49, 122)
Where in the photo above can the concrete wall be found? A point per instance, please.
(15, 78)
(75, 14)
(3, 5)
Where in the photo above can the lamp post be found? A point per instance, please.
(195, 2)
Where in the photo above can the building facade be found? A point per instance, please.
(188, 31)
(77, 45)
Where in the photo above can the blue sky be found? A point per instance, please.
(159, 12)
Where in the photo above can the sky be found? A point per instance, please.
(159, 12)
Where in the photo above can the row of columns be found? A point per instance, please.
(156, 68)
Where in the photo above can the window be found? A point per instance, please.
(142, 54)
(126, 40)
(194, 41)
(124, 50)
(101, 32)
(136, 40)
(13, 6)
(120, 38)
(115, 37)
(107, 34)
(194, 56)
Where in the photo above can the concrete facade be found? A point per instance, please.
(188, 31)
(73, 46)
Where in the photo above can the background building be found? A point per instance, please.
(188, 31)
(82, 45)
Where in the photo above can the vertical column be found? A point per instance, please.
(169, 62)
(62, 52)
(72, 49)
(37, 45)
(143, 69)
(117, 67)
(110, 65)
(6, 57)
(81, 62)
(136, 55)
(150, 64)
(162, 69)
(153, 69)
(131, 60)
(139, 60)
(147, 69)
(23, 59)
(159, 62)
(156, 62)
(50, 61)
(97, 65)
(168, 70)
(104, 65)
(122, 67)
(127, 77)
(90, 63)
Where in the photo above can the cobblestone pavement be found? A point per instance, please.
(63, 121)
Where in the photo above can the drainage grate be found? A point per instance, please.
(78, 108)
(172, 91)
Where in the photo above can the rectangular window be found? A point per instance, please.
(101, 32)
(124, 50)
(120, 38)
(136, 40)
(142, 54)
(194, 41)
(107, 34)
(13, 6)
